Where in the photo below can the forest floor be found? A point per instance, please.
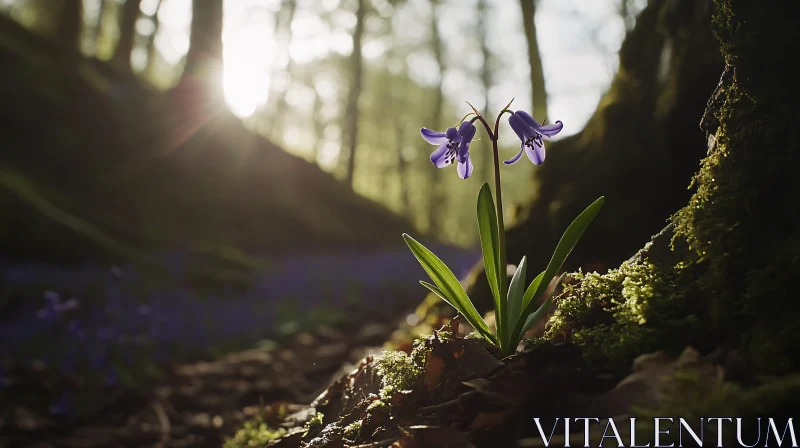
(197, 404)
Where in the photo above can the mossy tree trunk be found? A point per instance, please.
(734, 283)
(639, 149)
(743, 222)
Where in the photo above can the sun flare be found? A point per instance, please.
(248, 49)
(245, 76)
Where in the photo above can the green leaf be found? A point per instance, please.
(537, 315)
(516, 290)
(448, 285)
(490, 245)
(564, 248)
(525, 300)
(439, 294)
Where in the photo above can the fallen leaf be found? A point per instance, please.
(434, 370)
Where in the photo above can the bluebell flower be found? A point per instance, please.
(63, 406)
(112, 379)
(532, 134)
(453, 146)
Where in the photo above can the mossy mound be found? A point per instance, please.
(449, 389)
(637, 308)
(254, 433)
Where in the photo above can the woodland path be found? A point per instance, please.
(197, 404)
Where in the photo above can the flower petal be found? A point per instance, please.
(463, 152)
(516, 157)
(528, 120)
(465, 168)
(453, 135)
(518, 125)
(467, 131)
(439, 157)
(433, 137)
(535, 153)
(550, 130)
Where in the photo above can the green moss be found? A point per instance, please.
(315, 422)
(378, 405)
(419, 352)
(398, 372)
(743, 221)
(254, 433)
(353, 430)
(631, 310)
(737, 283)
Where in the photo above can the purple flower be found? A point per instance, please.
(63, 405)
(453, 145)
(531, 133)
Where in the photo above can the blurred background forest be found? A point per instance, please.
(180, 179)
(291, 73)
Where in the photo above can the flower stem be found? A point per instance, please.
(501, 237)
(501, 230)
(502, 325)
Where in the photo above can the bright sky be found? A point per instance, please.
(578, 40)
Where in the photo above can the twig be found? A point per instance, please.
(163, 420)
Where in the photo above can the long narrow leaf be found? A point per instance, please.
(519, 316)
(516, 290)
(564, 248)
(439, 294)
(537, 315)
(448, 284)
(490, 245)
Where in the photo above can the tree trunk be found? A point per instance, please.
(98, 26)
(70, 25)
(538, 91)
(275, 121)
(204, 59)
(639, 149)
(435, 120)
(402, 169)
(644, 135)
(352, 112)
(732, 280)
(127, 33)
(319, 126)
(743, 222)
(151, 39)
(486, 81)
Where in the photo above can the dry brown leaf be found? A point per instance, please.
(434, 370)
